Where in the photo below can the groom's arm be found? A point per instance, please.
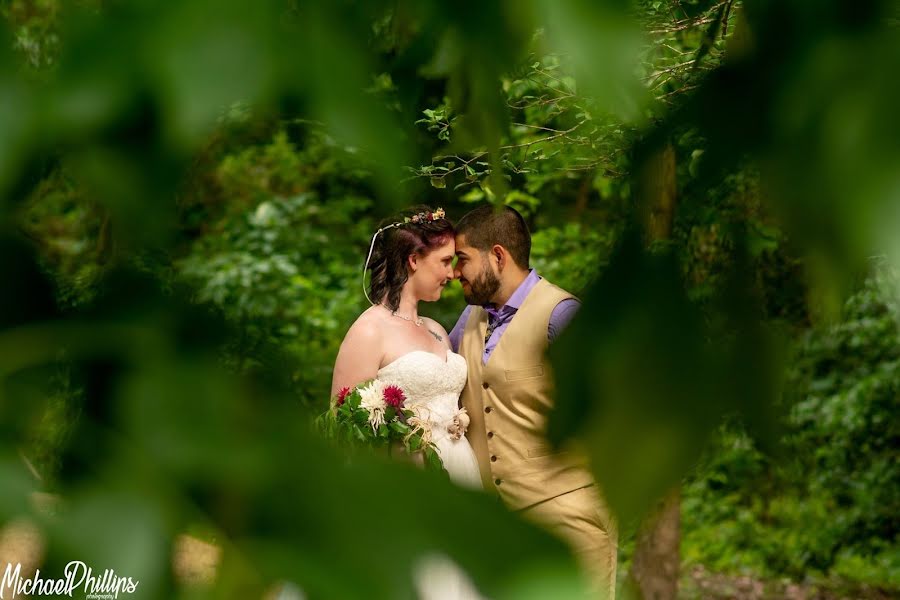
(561, 316)
(457, 332)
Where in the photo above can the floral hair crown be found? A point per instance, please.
(422, 217)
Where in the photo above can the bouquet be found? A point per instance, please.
(375, 414)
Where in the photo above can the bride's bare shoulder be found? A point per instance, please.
(368, 328)
(360, 353)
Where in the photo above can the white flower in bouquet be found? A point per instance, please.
(372, 400)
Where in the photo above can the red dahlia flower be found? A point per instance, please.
(342, 395)
(394, 396)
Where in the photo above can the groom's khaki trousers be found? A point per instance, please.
(581, 519)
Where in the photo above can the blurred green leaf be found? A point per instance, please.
(628, 371)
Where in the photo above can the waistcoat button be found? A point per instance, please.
(493, 459)
(485, 385)
(487, 409)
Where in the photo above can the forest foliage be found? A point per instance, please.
(188, 192)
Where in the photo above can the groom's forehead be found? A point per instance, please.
(462, 244)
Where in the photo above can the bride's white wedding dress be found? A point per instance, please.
(432, 387)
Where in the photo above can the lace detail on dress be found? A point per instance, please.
(432, 385)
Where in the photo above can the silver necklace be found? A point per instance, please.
(418, 320)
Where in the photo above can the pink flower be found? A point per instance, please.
(394, 396)
(342, 395)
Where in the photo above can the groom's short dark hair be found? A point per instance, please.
(488, 225)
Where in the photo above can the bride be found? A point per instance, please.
(411, 260)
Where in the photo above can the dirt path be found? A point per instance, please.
(701, 584)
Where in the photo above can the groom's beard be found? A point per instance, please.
(484, 288)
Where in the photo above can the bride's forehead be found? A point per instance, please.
(448, 245)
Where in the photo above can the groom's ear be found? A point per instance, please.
(499, 252)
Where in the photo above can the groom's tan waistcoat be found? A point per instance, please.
(508, 401)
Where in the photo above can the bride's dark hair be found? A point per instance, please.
(396, 242)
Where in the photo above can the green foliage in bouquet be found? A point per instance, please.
(374, 415)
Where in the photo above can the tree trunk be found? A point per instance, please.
(655, 566)
(657, 557)
(584, 193)
(656, 191)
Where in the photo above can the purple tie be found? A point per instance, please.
(493, 322)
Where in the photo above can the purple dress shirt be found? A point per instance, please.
(559, 318)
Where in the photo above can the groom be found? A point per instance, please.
(512, 317)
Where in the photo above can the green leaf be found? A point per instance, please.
(361, 434)
(644, 432)
(476, 194)
(399, 428)
(360, 416)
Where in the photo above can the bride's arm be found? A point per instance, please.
(359, 357)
